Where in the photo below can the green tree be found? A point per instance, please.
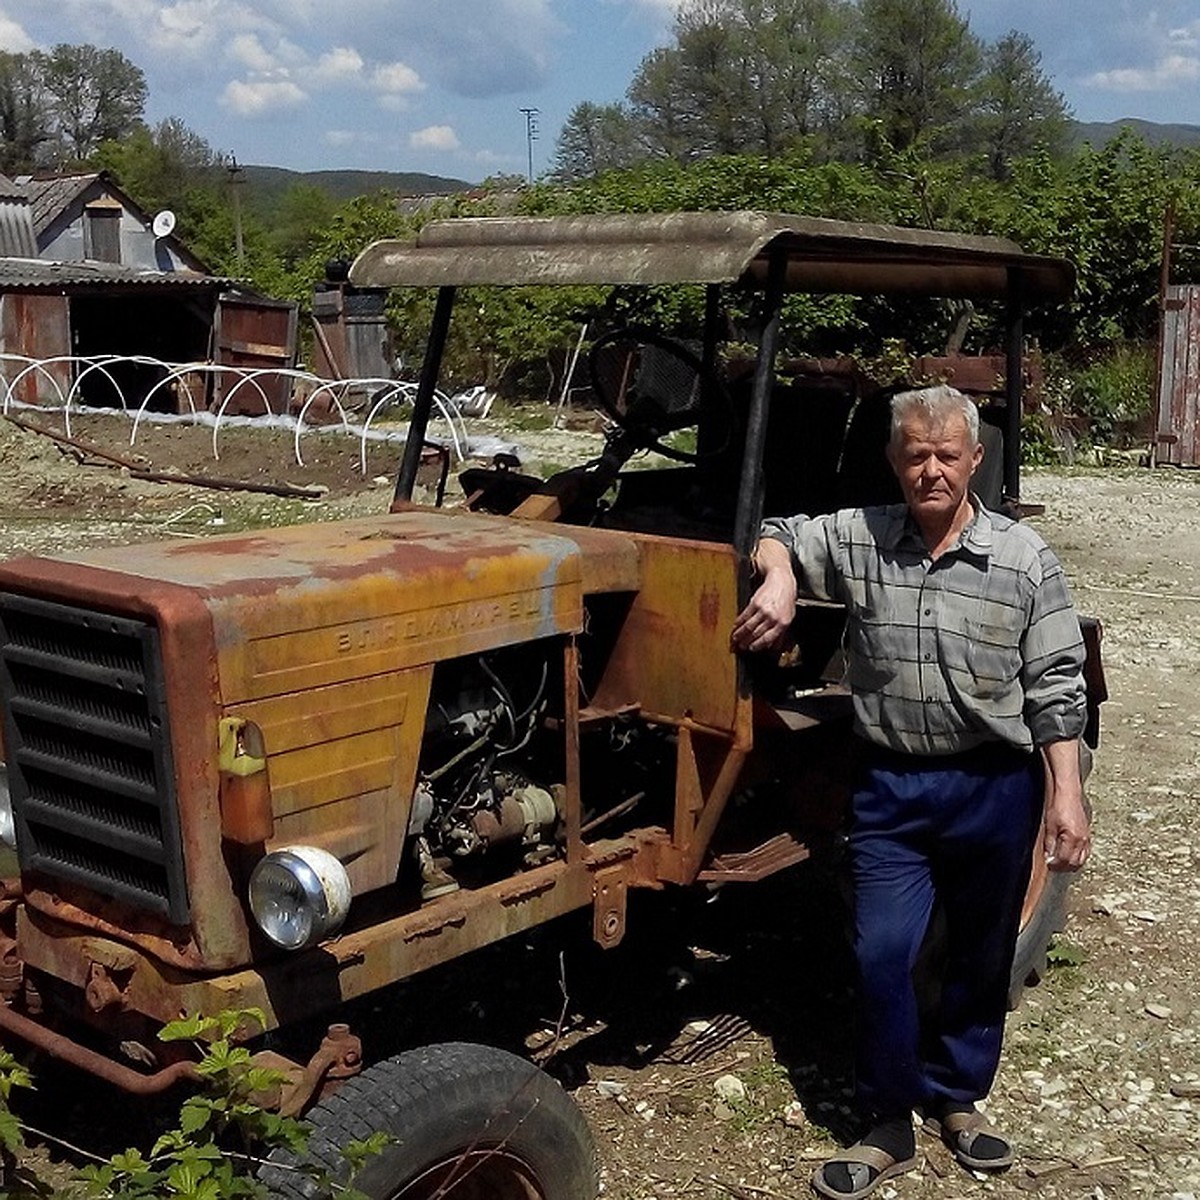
(596, 138)
(25, 121)
(96, 95)
(1019, 107)
(918, 66)
(745, 76)
(796, 52)
(715, 79)
(159, 166)
(299, 221)
(658, 105)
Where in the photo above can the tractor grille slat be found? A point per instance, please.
(84, 756)
(89, 752)
(86, 805)
(118, 714)
(133, 879)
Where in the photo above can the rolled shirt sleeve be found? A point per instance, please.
(816, 560)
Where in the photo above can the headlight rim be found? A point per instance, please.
(324, 888)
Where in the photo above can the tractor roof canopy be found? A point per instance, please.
(821, 256)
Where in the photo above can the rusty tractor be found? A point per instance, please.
(283, 769)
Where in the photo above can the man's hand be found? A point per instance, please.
(1068, 838)
(763, 623)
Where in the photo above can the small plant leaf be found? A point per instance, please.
(1064, 954)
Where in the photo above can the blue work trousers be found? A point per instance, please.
(955, 831)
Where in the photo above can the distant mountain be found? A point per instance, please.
(1097, 133)
(267, 184)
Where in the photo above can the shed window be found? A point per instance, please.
(102, 232)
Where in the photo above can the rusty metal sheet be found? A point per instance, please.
(1177, 434)
(672, 657)
(295, 986)
(662, 248)
(313, 605)
(218, 936)
(39, 328)
(322, 635)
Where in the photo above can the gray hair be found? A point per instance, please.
(936, 405)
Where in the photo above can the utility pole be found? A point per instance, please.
(531, 133)
(236, 179)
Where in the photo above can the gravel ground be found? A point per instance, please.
(723, 1072)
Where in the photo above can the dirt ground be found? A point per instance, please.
(723, 1071)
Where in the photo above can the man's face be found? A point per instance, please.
(934, 462)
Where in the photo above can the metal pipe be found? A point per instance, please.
(1013, 378)
(709, 387)
(426, 386)
(63, 1048)
(750, 491)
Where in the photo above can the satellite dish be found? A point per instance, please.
(164, 223)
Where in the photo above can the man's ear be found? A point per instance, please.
(976, 457)
(890, 452)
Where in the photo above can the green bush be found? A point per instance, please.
(1115, 395)
(222, 1135)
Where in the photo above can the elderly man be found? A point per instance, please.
(965, 660)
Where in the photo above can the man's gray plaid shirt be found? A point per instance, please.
(981, 645)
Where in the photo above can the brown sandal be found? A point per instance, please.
(873, 1159)
(961, 1132)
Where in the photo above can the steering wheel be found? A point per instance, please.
(651, 386)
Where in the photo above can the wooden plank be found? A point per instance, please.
(258, 349)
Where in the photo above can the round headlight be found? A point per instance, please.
(299, 896)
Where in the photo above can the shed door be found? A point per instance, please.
(256, 335)
(1177, 435)
(36, 327)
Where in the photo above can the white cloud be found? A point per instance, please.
(340, 63)
(247, 49)
(255, 98)
(397, 78)
(13, 37)
(434, 137)
(191, 28)
(1170, 72)
(475, 48)
(189, 20)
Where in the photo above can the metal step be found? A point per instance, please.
(749, 866)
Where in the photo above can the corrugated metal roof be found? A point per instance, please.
(10, 190)
(49, 197)
(16, 230)
(31, 274)
(821, 255)
(16, 223)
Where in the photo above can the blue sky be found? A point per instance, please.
(438, 85)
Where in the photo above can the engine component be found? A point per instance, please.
(479, 760)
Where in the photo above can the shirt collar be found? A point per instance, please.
(975, 539)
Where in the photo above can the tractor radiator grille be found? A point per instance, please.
(89, 753)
